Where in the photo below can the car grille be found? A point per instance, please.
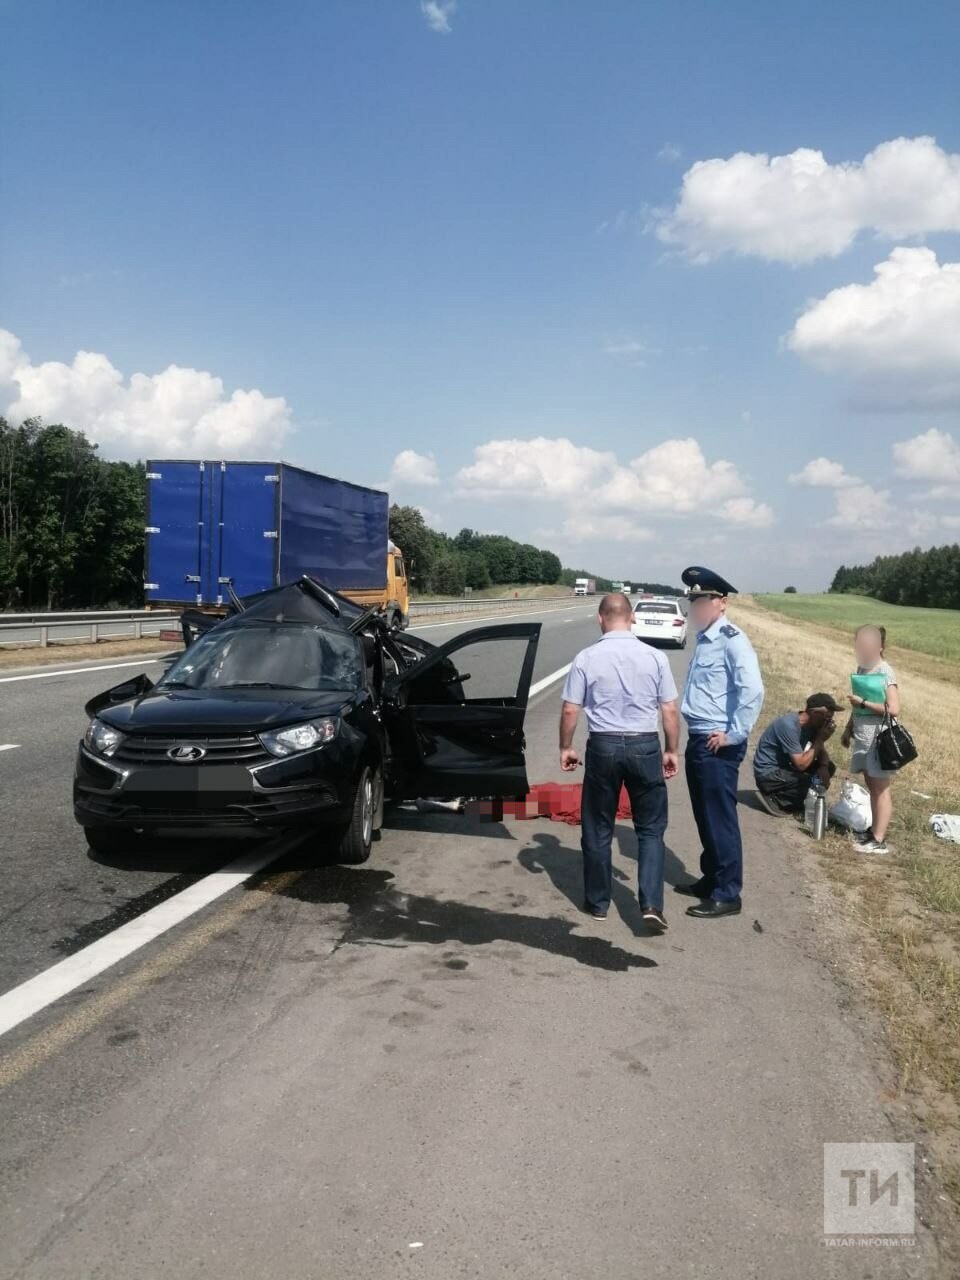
(243, 748)
(238, 814)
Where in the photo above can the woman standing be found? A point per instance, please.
(875, 692)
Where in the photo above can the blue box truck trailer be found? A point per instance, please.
(213, 525)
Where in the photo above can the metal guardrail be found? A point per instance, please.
(28, 630)
(84, 628)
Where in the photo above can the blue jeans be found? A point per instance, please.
(712, 780)
(634, 761)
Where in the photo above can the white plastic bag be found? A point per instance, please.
(946, 826)
(853, 808)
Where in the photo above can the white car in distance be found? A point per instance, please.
(661, 620)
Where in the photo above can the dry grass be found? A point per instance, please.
(904, 910)
(61, 654)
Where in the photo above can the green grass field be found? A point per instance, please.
(932, 631)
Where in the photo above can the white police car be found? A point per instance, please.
(660, 620)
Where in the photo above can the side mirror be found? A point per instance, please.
(125, 692)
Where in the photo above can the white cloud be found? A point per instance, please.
(438, 14)
(669, 153)
(822, 473)
(179, 411)
(796, 208)
(672, 478)
(412, 468)
(934, 455)
(897, 338)
(605, 528)
(631, 350)
(862, 507)
(537, 468)
(747, 512)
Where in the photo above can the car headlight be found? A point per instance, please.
(102, 738)
(299, 737)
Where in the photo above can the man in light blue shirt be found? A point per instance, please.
(624, 686)
(721, 701)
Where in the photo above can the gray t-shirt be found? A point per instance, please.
(782, 738)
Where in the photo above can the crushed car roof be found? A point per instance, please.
(302, 601)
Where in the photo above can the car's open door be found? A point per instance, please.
(455, 718)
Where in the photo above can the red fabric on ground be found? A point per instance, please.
(559, 801)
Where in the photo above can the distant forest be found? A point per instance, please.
(72, 529)
(930, 578)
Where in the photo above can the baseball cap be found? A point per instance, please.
(823, 700)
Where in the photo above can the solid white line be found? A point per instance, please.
(552, 678)
(9, 746)
(77, 671)
(30, 997)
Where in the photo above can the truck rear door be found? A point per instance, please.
(177, 501)
(247, 529)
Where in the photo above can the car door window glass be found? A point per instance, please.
(494, 668)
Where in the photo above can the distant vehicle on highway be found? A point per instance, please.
(302, 709)
(661, 620)
(585, 586)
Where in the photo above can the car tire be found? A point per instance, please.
(111, 840)
(357, 836)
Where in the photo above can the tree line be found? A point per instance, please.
(71, 524)
(441, 564)
(930, 578)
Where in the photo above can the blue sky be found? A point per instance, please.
(429, 242)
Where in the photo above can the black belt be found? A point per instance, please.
(623, 733)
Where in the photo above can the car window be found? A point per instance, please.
(281, 655)
(483, 671)
(654, 607)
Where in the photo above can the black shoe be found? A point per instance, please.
(711, 909)
(771, 805)
(598, 913)
(654, 918)
(693, 889)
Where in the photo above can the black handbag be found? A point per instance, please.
(895, 747)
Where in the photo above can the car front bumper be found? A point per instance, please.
(314, 786)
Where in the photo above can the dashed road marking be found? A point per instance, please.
(9, 746)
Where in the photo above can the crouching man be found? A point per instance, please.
(792, 752)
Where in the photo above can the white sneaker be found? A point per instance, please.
(873, 846)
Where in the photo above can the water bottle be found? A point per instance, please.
(815, 810)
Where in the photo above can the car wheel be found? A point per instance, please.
(111, 840)
(357, 836)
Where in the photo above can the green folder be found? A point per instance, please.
(873, 687)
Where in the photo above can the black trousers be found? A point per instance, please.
(788, 788)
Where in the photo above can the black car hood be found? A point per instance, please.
(205, 710)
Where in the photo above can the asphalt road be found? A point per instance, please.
(433, 1063)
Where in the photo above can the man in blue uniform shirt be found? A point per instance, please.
(721, 701)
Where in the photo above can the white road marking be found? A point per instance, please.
(552, 678)
(9, 746)
(77, 671)
(30, 997)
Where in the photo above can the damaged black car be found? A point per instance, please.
(300, 710)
